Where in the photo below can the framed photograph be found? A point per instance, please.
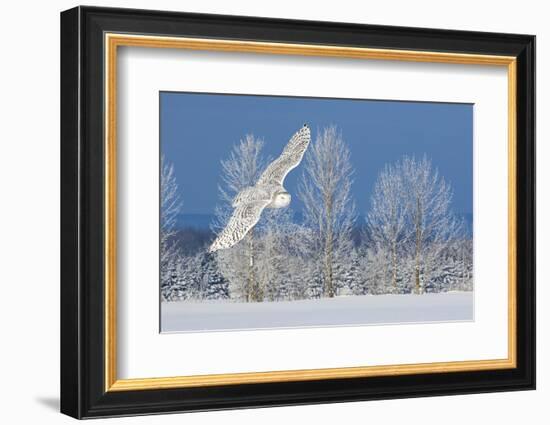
(261, 212)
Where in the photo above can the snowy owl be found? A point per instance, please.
(267, 193)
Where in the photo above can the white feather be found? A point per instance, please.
(251, 201)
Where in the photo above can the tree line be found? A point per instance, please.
(412, 242)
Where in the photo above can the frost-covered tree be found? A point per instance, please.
(183, 277)
(432, 222)
(329, 210)
(284, 267)
(196, 277)
(455, 272)
(372, 272)
(411, 226)
(272, 267)
(170, 207)
(241, 169)
(387, 220)
(188, 279)
(465, 254)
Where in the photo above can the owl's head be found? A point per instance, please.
(281, 199)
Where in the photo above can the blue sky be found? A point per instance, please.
(198, 130)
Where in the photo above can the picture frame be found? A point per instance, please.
(91, 38)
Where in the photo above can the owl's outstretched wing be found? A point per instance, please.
(292, 155)
(244, 218)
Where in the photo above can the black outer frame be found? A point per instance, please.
(82, 219)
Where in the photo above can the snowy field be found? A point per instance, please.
(187, 316)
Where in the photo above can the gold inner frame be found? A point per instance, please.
(113, 41)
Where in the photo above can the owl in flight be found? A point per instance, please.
(267, 193)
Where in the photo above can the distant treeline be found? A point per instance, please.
(191, 239)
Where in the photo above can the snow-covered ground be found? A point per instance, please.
(187, 316)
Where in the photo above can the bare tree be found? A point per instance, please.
(429, 203)
(272, 265)
(411, 220)
(387, 218)
(241, 169)
(372, 271)
(170, 207)
(284, 266)
(329, 209)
